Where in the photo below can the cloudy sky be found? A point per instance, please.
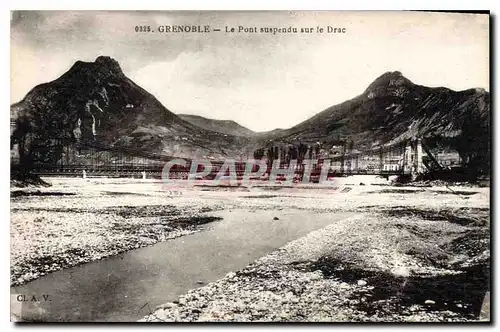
(262, 81)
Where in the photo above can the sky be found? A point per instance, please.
(260, 80)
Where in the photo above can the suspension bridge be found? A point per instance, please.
(95, 159)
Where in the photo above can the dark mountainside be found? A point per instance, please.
(229, 127)
(393, 109)
(96, 102)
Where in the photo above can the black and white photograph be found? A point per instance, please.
(250, 166)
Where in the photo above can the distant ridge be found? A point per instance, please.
(229, 127)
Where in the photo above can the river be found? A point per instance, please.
(126, 287)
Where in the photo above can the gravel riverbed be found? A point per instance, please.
(425, 261)
(409, 253)
(57, 227)
(368, 268)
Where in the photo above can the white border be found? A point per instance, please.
(196, 5)
(254, 5)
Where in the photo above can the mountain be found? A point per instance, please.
(393, 109)
(389, 107)
(229, 127)
(96, 102)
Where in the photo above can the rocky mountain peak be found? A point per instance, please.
(391, 79)
(106, 62)
(103, 68)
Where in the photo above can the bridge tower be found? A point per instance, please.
(413, 155)
(419, 154)
(342, 159)
(407, 157)
(381, 159)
